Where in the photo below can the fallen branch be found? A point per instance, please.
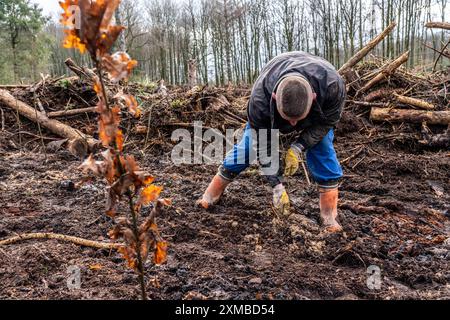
(62, 237)
(368, 104)
(360, 209)
(183, 125)
(410, 116)
(381, 94)
(441, 53)
(15, 86)
(75, 136)
(444, 53)
(83, 73)
(87, 74)
(73, 112)
(366, 49)
(435, 140)
(414, 102)
(386, 72)
(354, 155)
(438, 25)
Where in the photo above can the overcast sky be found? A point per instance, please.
(52, 8)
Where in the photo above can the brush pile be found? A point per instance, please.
(403, 98)
(383, 97)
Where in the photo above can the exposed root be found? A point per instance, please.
(62, 237)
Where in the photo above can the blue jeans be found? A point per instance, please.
(321, 160)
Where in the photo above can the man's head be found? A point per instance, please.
(294, 98)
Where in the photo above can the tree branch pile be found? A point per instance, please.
(383, 90)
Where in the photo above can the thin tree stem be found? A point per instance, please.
(102, 82)
(130, 196)
(138, 244)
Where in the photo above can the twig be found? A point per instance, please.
(440, 55)
(15, 86)
(71, 112)
(102, 83)
(368, 104)
(62, 237)
(184, 125)
(19, 124)
(2, 114)
(436, 50)
(36, 136)
(356, 164)
(36, 99)
(147, 137)
(305, 170)
(353, 155)
(138, 245)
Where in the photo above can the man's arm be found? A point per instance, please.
(332, 114)
(260, 121)
(269, 156)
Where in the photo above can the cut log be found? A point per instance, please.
(414, 102)
(366, 49)
(381, 94)
(386, 72)
(140, 130)
(59, 128)
(438, 25)
(410, 116)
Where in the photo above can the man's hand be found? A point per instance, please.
(293, 158)
(281, 201)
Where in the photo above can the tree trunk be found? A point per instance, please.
(15, 65)
(192, 73)
(438, 25)
(414, 102)
(122, 45)
(410, 116)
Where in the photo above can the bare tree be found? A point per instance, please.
(231, 40)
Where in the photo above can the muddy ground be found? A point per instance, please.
(394, 209)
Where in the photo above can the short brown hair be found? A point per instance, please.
(294, 96)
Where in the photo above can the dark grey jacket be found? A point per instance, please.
(326, 83)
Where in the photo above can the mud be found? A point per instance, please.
(394, 209)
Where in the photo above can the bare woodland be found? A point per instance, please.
(193, 61)
(232, 39)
